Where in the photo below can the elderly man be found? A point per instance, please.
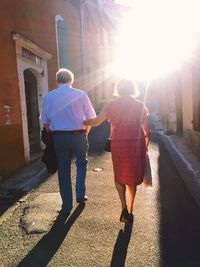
(63, 112)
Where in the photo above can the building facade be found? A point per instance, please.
(37, 38)
(179, 107)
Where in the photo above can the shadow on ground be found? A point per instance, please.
(9, 198)
(180, 217)
(45, 249)
(121, 247)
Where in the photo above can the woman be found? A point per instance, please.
(129, 135)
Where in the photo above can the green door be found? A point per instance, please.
(32, 111)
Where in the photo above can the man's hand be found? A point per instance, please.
(46, 126)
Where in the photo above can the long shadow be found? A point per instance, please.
(14, 188)
(45, 249)
(9, 198)
(180, 217)
(121, 247)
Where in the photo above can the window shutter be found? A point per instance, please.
(62, 44)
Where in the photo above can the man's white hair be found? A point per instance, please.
(64, 76)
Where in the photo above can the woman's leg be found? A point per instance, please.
(121, 189)
(130, 191)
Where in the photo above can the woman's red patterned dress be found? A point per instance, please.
(128, 140)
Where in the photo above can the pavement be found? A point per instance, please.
(27, 178)
(14, 190)
(185, 161)
(92, 236)
(36, 235)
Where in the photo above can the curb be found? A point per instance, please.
(28, 178)
(9, 212)
(184, 167)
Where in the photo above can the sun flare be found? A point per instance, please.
(156, 38)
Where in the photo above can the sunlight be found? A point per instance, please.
(156, 38)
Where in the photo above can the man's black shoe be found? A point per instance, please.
(82, 199)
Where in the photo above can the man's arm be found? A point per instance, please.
(89, 112)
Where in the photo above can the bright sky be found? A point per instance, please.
(157, 37)
(125, 2)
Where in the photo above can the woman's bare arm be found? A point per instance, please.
(87, 130)
(146, 129)
(98, 120)
(146, 125)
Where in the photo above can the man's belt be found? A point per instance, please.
(69, 132)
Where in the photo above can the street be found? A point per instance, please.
(69, 65)
(165, 232)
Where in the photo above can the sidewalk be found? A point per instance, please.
(27, 178)
(15, 190)
(186, 163)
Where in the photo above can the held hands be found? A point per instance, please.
(87, 122)
(96, 121)
(46, 127)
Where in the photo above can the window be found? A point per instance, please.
(61, 38)
(31, 56)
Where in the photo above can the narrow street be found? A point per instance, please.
(165, 232)
(58, 56)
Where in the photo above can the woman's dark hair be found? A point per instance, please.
(126, 87)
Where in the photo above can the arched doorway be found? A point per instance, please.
(31, 94)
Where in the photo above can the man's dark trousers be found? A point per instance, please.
(67, 146)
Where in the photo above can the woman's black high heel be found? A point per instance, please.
(124, 216)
